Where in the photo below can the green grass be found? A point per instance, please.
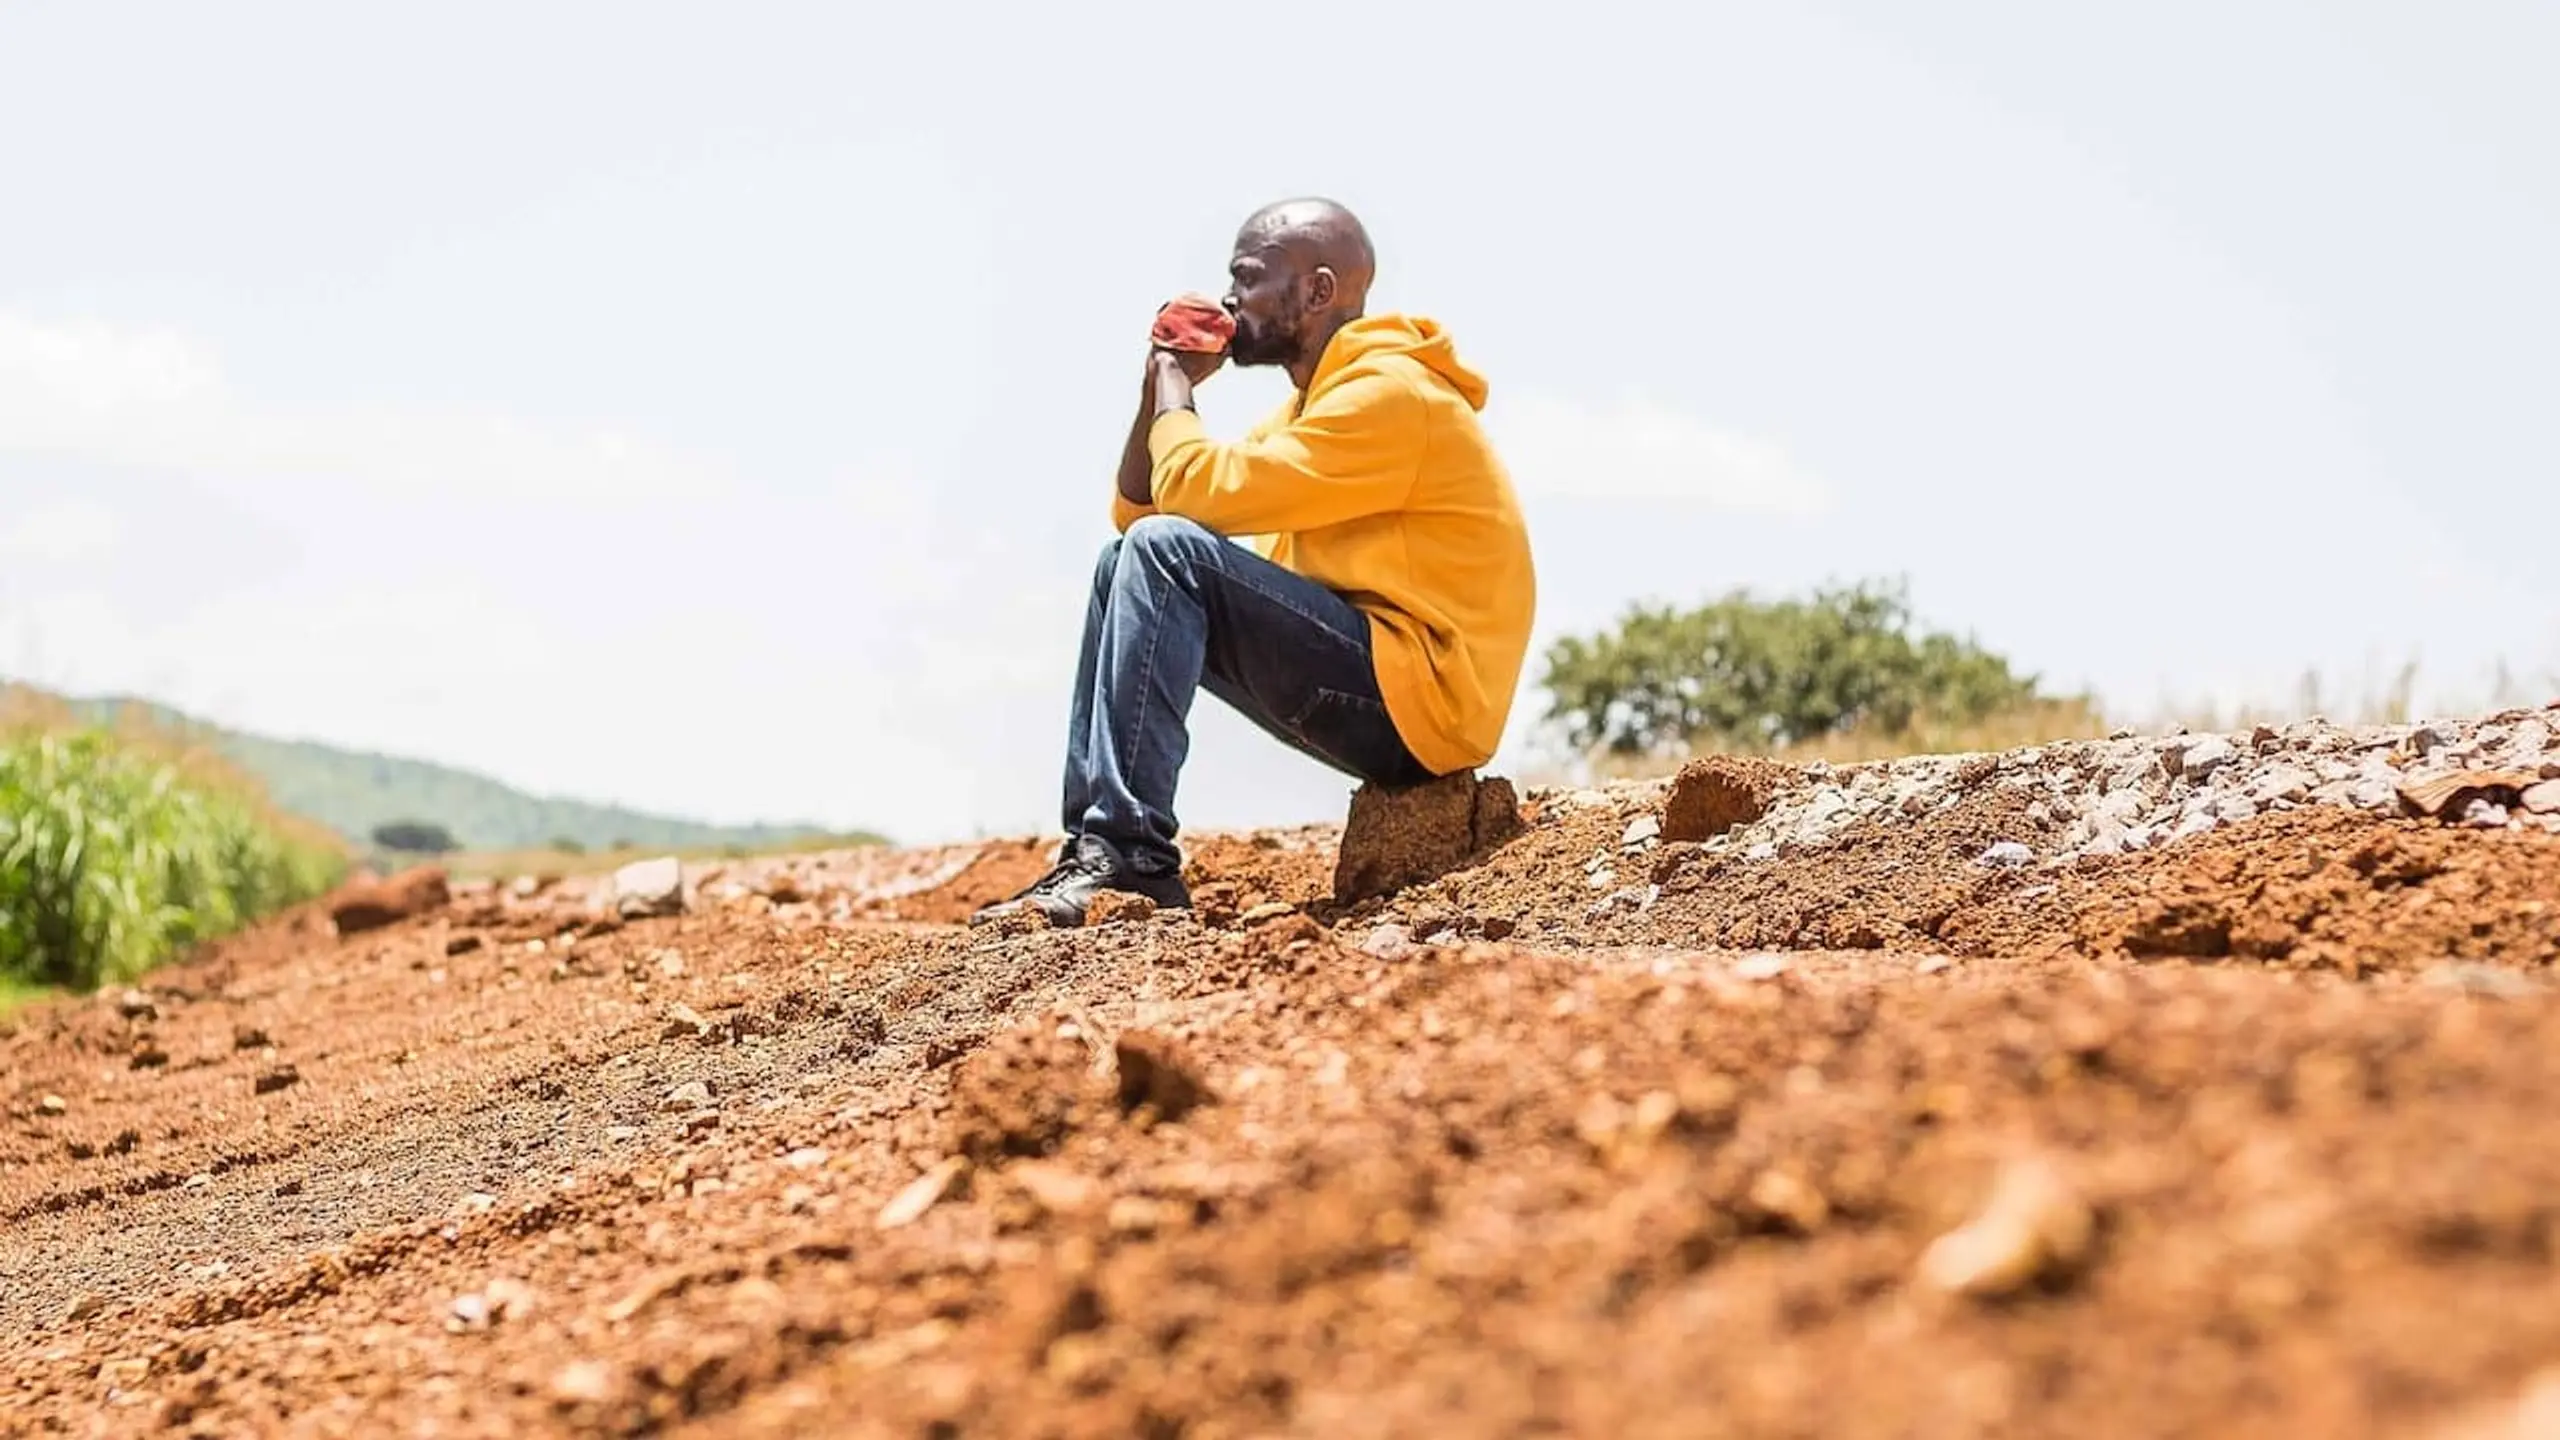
(116, 854)
(16, 995)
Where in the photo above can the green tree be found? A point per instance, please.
(1745, 674)
(416, 837)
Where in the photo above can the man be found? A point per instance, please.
(1380, 624)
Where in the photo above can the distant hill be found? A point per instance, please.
(352, 792)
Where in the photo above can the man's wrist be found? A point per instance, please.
(1172, 385)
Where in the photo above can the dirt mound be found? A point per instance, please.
(2336, 892)
(2077, 1091)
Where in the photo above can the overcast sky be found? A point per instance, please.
(713, 408)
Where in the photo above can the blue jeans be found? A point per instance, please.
(1177, 609)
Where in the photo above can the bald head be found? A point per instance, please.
(1301, 268)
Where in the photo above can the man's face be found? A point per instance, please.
(1263, 294)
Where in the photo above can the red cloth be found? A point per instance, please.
(1194, 323)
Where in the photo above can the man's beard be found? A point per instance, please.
(1260, 345)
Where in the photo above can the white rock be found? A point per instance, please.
(2206, 756)
(1760, 967)
(1642, 830)
(2007, 855)
(2284, 782)
(649, 887)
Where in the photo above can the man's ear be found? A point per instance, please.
(1322, 287)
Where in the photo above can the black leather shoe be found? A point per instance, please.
(1088, 866)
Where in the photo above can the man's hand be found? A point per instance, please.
(1196, 365)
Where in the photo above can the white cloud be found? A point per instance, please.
(66, 533)
(1636, 449)
(90, 391)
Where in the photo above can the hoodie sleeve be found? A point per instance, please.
(1354, 451)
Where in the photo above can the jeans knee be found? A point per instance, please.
(1167, 542)
(1107, 564)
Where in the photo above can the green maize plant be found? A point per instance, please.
(113, 859)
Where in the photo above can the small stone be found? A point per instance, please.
(1761, 967)
(1264, 913)
(2289, 783)
(807, 1157)
(83, 1308)
(249, 1037)
(2205, 756)
(2007, 855)
(671, 964)
(1783, 1195)
(2543, 799)
(2485, 815)
(281, 1077)
(684, 1023)
(508, 1299)
(1388, 942)
(2035, 1225)
(1054, 1188)
(135, 1005)
(620, 1134)
(479, 1202)
(691, 1095)
(53, 1105)
(462, 945)
(583, 1382)
(646, 888)
(467, 1313)
(921, 1194)
(1935, 964)
(148, 1056)
(1642, 830)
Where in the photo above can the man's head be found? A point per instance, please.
(1300, 269)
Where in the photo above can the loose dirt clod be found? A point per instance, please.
(1715, 793)
(1400, 837)
(1156, 1079)
(1113, 907)
(373, 904)
(1018, 1095)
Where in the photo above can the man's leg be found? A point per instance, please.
(1078, 788)
(1176, 608)
(1187, 608)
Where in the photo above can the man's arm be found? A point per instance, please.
(1356, 451)
(1167, 387)
(1134, 462)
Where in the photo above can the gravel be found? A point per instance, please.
(2131, 792)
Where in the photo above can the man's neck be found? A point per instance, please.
(1302, 371)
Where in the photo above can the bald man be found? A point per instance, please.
(1379, 617)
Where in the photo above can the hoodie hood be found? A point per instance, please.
(1360, 343)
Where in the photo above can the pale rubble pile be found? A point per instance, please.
(2132, 793)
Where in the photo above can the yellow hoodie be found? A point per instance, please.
(1378, 483)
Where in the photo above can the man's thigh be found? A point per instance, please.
(1295, 658)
